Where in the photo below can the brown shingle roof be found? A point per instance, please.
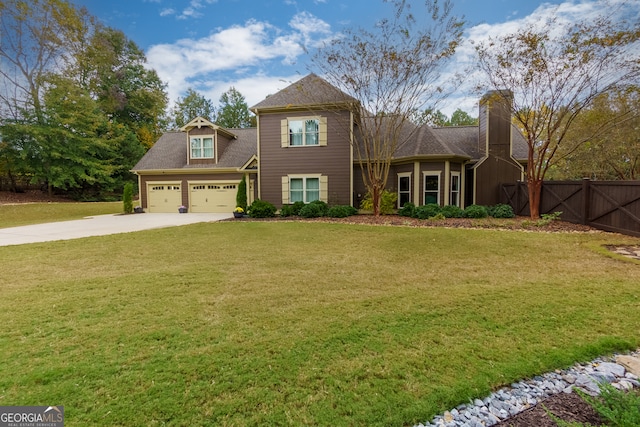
(310, 90)
(170, 152)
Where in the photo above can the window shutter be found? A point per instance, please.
(324, 188)
(285, 190)
(322, 132)
(284, 133)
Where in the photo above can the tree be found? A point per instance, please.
(431, 117)
(191, 106)
(610, 155)
(462, 118)
(393, 71)
(233, 111)
(113, 69)
(36, 37)
(550, 73)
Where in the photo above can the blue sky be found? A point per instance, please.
(259, 46)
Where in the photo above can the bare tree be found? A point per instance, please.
(555, 70)
(392, 71)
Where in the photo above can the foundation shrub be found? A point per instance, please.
(261, 209)
(475, 211)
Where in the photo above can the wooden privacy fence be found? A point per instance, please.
(606, 205)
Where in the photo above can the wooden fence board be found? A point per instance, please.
(606, 205)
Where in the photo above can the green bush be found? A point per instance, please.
(261, 209)
(501, 211)
(312, 210)
(475, 211)
(286, 210)
(324, 207)
(408, 209)
(241, 196)
(451, 211)
(387, 202)
(427, 211)
(341, 211)
(296, 206)
(127, 198)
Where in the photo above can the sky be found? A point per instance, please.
(262, 46)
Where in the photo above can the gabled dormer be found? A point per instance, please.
(206, 141)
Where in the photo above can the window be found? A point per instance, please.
(304, 132)
(202, 147)
(404, 189)
(304, 190)
(431, 189)
(455, 189)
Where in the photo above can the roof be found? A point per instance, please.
(308, 91)
(170, 152)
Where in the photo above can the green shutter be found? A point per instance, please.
(285, 190)
(284, 133)
(324, 188)
(322, 137)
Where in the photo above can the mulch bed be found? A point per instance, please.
(567, 407)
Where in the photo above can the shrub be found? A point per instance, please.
(427, 211)
(324, 207)
(241, 196)
(286, 210)
(451, 211)
(296, 206)
(341, 211)
(408, 209)
(501, 211)
(261, 209)
(387, 202)
(127, 198)
(312, 210)
(475, 211)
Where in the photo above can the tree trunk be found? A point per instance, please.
(535, 190)
(376, 199)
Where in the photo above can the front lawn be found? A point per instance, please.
(278, 323)
(36, 213)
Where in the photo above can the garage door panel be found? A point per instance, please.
(164, 197)
(213, 197)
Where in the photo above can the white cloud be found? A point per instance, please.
(244, 50)
(167, 12)
(565, 14)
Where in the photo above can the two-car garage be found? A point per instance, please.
(209, 196)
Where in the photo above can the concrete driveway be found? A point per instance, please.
(100, 225)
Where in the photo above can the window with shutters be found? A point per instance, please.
(304, 188)
(304, 132)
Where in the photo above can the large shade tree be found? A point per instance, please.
(613, 154)
(392, 70)
(189, 107)
(233, 111)
(555, 70)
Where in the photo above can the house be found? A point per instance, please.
(303, 150)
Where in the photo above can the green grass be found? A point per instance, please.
(253, 323)
(36, 213)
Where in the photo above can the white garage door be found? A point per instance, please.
(164, 197)
(219, 197)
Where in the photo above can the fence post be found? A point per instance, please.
(517, 207)
(586, 201)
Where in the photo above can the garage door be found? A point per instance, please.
(219, 197)
(164, 197)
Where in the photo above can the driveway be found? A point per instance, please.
(100, 225)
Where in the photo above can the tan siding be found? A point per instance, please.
(332, 160)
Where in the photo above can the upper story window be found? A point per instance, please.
(304, 132)
(201, 147)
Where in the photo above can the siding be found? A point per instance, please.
(332, 160)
